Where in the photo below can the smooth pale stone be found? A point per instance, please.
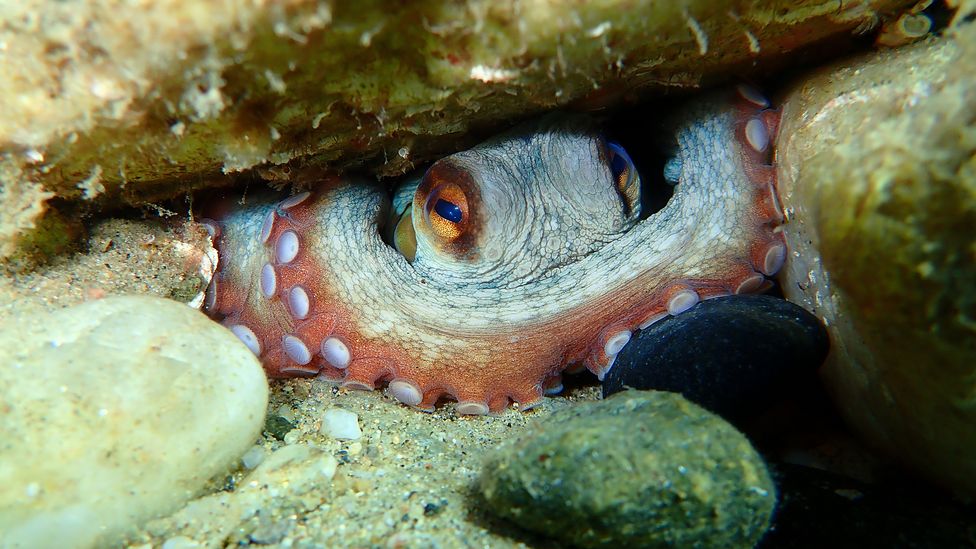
(341, 424)
(116, 411)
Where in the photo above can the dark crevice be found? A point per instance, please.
(648, 154)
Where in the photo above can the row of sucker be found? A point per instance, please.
(285, 251)
(757, 132)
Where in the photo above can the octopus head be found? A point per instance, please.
(534, 199)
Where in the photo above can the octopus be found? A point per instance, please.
(502, 266)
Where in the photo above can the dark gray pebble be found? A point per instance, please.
(640, 469)
(733, 355)
(277, 426)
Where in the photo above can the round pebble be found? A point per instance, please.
(116, 411)
(640, 469)
(180, 542)
(733, 355)
(278, 426)
(341, 424)
(253, 457)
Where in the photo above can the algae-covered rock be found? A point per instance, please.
(877, 171)
(116, 411)
(640, 469)
(126, 101)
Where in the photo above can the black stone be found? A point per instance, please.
(431, 509)
(732, 355)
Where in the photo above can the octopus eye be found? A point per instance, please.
(621, 166)
(446, 211)
(624, 174)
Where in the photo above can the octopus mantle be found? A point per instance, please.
(531, 256)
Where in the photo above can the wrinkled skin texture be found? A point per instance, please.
(549, 264)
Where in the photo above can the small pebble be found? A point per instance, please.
(292, 437)
(431, 509)
(341, 424)
(640, 469)
(327, 466)
(269, 531)
(734, 355)
(286, 412)
(299, 464)
(278, 426)
(180, 542)
(253, 457)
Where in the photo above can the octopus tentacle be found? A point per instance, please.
(311, 287)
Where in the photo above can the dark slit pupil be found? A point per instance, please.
(618, 166)
(448, 210)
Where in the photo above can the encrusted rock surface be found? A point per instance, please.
(877, 171)
(114, 412)
(639, 469)
(121, 102)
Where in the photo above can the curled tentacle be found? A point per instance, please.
(527, 255)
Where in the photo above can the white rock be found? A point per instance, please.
(253, 457)
(292, 437)
(299, 464)
(116, 411)
(180, 542)
(341, 424)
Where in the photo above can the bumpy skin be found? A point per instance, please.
(550, 267)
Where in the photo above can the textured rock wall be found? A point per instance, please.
(878, 173)
(120, 102)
